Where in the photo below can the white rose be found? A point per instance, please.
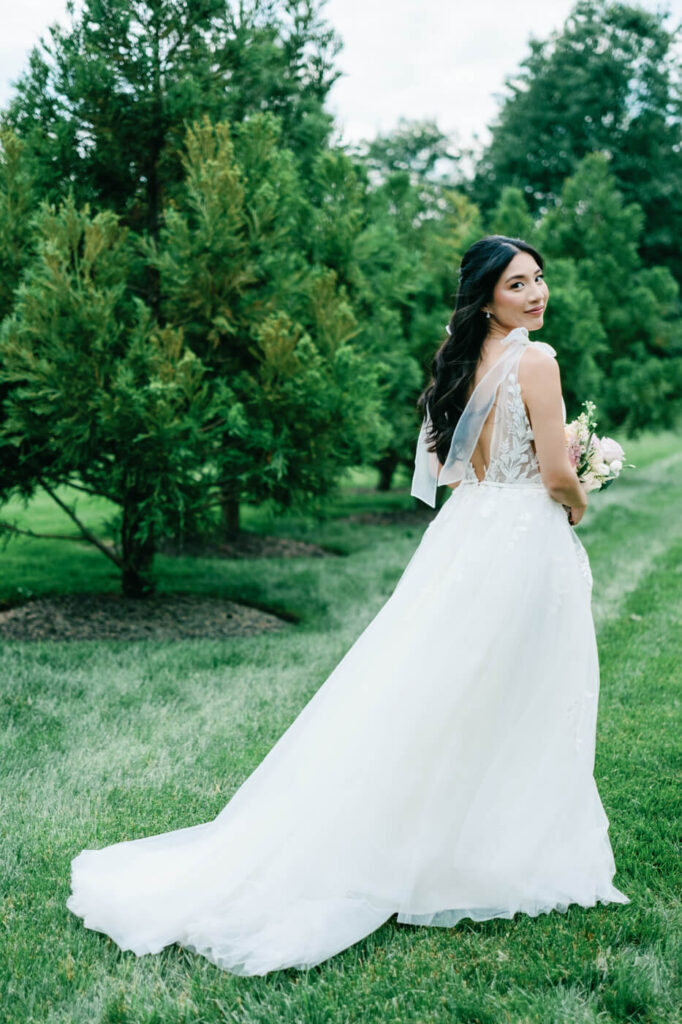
(590, 482)
(616, 466)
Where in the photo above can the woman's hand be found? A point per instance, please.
(575, 513)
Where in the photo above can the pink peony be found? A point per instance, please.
(611, 450)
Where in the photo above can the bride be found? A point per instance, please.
(445, 767)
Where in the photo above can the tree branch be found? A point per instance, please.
(84, 530)
(211, 503)
(38, 536)
(88, 490)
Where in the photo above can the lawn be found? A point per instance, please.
(106, 741)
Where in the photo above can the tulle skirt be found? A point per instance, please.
(443, 770)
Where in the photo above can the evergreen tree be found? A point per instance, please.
(418, 148)
(608, 81)
(393, 232)
(511, 216)
(233, 275)
(17, 206)
(640, 350)
(98, 397)
(104, 106)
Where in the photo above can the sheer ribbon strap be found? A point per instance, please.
(426, 478)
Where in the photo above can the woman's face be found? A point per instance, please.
(519, 298)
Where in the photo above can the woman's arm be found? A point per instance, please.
(540, 382)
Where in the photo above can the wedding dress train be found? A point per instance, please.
(443, 770)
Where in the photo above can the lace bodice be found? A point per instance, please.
(512, 455)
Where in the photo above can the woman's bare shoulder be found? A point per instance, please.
(538, 370)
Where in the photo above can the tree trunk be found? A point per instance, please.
(229, 504)
(138, 554)
(387, 467)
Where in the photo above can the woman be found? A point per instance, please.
(444, 769)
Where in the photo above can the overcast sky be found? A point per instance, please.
(438, 59)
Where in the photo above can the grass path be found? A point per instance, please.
(109, 741)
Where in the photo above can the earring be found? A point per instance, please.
(487, 314)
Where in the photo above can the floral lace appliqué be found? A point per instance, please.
(513, 457)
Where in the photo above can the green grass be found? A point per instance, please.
(106, 741)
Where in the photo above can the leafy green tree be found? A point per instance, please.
(389, 274)
(260, 316)
(430, 227)
(608, 81)
(98, 397)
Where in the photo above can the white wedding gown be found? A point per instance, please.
(443, 770)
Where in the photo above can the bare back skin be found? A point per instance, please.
(480, 458)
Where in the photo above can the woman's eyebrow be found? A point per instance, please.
(521, 276)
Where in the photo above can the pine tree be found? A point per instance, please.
(17, 203)
(104, 105)
(263, 319)
(98, 397)
(394, 232)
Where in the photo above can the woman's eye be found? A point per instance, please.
(538, 277)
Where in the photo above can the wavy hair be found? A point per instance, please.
(454, 364)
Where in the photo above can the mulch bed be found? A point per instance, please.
(113, 617)
(174, 616)
(248, 545)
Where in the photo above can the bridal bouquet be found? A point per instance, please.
(596, 460)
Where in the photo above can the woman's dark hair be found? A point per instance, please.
(454, 364)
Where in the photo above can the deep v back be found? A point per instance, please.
(480, 458)
(505, 449)
(493, 432)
